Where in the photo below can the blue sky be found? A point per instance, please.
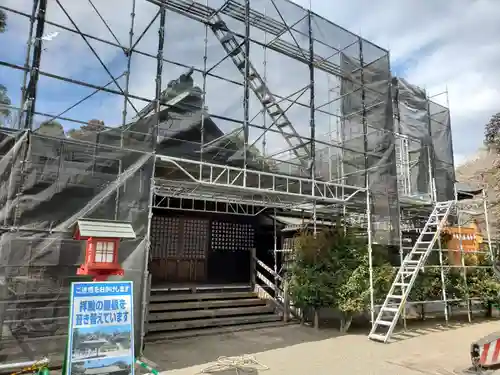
(436, 45)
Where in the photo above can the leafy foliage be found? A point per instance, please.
(4, 101)
(331, 269)
(4, 97)
(93, 126)
(482, 284)
(3, 21)
(51, 128)
(492, 133)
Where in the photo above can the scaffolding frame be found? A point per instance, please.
(245, 190)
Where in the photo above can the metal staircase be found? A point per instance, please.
(395, 300)
(259, 87)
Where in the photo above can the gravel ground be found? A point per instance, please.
(291, 350)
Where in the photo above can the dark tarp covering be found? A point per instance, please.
(427, 125)
(47, 184)
(367, 130)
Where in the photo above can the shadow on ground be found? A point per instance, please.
(187, 352)
(422, 328)
(181, 353)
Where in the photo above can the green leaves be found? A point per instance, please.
(492, 133)
(331, 269)
(3, 21)
(4, 100)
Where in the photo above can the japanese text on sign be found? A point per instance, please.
(91, 312)
(91, 289)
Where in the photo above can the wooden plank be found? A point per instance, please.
(200, 296)
(165, 336)
(205, 304)
(172, 326)
(211, 313)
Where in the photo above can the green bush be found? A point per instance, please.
(331, 269)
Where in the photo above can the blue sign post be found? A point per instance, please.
(101, 329)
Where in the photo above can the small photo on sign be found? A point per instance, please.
(100, 342)
(103, 366)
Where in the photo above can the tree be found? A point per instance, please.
(4, 101)
(93, 126)
(331, 270)
(50, 128)
(310, 282)
(3, 21)
(492, 133)
(4, 98)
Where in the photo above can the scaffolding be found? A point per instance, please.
(125, 106)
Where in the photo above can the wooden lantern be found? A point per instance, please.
(102, 243)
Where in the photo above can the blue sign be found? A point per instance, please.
(101, 329)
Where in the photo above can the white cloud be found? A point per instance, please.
(442, 44)
(449, 44)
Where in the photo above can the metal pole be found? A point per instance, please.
(487, 222)
(159, 71)
(264, 77)
(126, 99)
(312, 115)
(275, 254)
(397, 118)
(367, 182)
(370, 260)
(462, 260)
(246, 91)
(35, 65)
(203, 98)
(26, 64)
(443, 281)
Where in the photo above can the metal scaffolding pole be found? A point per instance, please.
(312, 162)
(154, 140)
(370, 256)
(462, 259)
(443, 279)
(246, 90)
(35, 65)
(493, 256)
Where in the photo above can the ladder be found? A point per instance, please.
(395, 300)
(235, 51)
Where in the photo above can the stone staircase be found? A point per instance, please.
(186, 312)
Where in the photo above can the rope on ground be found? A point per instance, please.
(240, 364)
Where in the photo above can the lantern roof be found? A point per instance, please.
(105, 228)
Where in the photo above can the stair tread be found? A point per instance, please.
(210, 313)
(201, 323)
(376, 337)
(164, 336)
(410, 267)
(167, 297)
(239, 302)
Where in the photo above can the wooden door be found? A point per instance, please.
(180, 253)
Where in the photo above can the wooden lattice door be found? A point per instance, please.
(180, 254)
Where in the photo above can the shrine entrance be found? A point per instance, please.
(201, 248)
